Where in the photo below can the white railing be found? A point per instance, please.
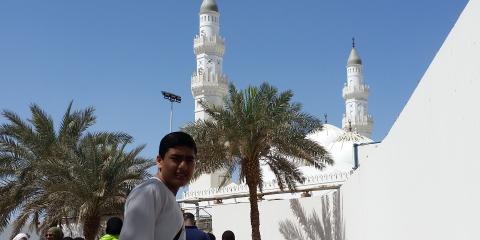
(317, 180)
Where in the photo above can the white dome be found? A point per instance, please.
(354, 58)
(338, 142)
(208, 6)
(328, 135)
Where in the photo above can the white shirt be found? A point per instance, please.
(152, 213)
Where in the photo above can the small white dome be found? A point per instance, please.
(208, 6)
(354, 58)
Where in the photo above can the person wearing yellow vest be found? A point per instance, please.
(114, 226)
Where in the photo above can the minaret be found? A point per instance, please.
(208, 82)
(355, 92)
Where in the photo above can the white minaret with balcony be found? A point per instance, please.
(355, 92)
(209, 84)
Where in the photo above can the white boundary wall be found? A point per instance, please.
(422, 181)
(236, 217)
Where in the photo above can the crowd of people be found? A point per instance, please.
(112, 232)
(151, 210)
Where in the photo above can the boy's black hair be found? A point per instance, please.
(176, 139)
(114, 226)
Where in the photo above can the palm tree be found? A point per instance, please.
(257, 126)
(103, 174)
(28, 151)
(44, 172)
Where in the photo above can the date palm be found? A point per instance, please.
(29, 151)
(43, 171)
(257, 126)
(99, 174)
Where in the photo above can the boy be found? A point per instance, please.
(151, 210)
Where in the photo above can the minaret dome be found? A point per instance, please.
(354, 58)
(208, 6)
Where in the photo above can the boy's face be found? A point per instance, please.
(176, 167)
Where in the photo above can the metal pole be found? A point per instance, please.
(355, 156)
(356, 163)
(171, 115)
(172, 98)
(197, 211)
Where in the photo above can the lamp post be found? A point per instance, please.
(172, 98)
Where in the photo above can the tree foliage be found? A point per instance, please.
(50, 177)
(257, 125)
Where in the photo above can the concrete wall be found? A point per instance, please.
(422, 181)
(236, 217)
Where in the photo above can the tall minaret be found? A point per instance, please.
(209, 84)
(355, 92)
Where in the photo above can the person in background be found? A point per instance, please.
(193, 233)
(67, 238)
(151, 209)
(211, 236)
(21, 236)
(54, 233)
(228, 235)
(114, 226)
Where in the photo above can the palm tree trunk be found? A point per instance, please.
(254, 214)
(251, 178)
(91, 227)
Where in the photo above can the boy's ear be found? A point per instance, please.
(159, 159)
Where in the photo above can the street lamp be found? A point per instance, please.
(172, 98)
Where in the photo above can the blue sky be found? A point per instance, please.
(119, 55)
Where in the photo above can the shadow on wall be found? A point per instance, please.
(327, 227)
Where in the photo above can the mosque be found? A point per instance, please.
(210, 84)
(420, 182)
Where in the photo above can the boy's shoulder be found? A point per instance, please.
(150, 185)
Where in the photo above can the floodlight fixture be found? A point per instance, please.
(172, 98)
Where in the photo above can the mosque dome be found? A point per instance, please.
(354, 58)
(338, 142)
(208, 6)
